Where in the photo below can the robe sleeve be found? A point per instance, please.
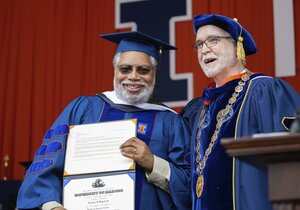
(43, 179)
(190, 112)
(267, 103)
(178, 155)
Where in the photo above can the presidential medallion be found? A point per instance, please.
(199, 186)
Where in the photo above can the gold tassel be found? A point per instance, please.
(240, 52)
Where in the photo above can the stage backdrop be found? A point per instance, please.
(50, 53)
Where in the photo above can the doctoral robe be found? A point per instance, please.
(262, 107)
(163, 131)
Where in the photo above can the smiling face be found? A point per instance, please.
(134, 77)
(218, 61)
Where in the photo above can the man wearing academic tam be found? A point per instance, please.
(160, 149)
(237, 103)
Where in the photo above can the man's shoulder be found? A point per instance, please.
(195, 102)
(192, 107)
(258, 77)
(90, 98)
(261, 81)
(83, 102)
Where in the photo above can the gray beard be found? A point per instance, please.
(211, 73)
(142, 97)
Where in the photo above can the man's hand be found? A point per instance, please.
(138, 151)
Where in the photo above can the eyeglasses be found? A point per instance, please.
(127, 69)
(209, 42)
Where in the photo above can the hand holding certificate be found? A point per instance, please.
(138, 151)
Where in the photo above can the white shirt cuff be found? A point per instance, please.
(50, 205)
(160, 175)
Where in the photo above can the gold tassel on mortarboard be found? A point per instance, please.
(240, 52)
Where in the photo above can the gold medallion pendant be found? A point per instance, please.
(199, 186)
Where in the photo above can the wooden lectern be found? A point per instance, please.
(281, 153)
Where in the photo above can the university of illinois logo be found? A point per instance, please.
(142, 128)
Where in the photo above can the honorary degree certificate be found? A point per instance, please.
(114, 192)
(96, 175)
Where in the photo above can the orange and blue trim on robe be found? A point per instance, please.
(42, 157)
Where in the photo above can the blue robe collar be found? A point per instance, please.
(210, 93)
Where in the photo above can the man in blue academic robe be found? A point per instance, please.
(238, 103)
(160, 148)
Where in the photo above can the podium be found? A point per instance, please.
(281, 153)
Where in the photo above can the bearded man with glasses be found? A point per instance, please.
(238, 103)
(162, 174)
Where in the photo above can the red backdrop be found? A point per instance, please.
(50, 53)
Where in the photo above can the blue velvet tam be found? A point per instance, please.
(229, 25)
(138, 41)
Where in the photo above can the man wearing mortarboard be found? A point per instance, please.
(238, 103)
(159, 150)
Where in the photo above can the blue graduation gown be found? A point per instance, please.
(166, 135)
(260, 108)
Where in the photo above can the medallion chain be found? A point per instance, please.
(220, 119)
